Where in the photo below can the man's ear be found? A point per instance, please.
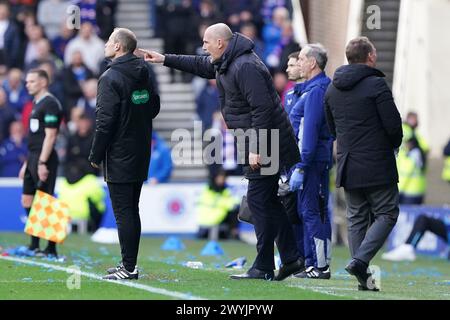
(313, 63)
(117, 46)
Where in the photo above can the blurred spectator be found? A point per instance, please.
(273, 36)
(44, 55)
(217, 207)
(249, 30)
(7, 115)
(160, 162)
(60, 42)
(208, 13)
(280, 81)
(34, 33)
(74, 76)
(423, 223)
(10, 44)
(239, 12)
(50, 14)
(411, 170)
(78, 147)
(412, 120)
(268, 7)
(179, 31)
(13, 151)
(89, 99)
(87, 12)
(446, 169)
(15, 90)
(80, 188)
(105, 13)
(90, 46)
(228, 150)
(55, 86)
(208, 104)
(287, 45)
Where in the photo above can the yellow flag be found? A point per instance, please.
(48, 219)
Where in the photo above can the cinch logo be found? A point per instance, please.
(140, 97)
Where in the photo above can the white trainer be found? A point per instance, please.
(404, 252)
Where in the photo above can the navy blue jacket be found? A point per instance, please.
(292, 96)
(363, 117)
(13, 45)
(126, 105)
(308, 120)
(248, 99)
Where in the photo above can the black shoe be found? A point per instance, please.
(38, 253)
(123, 274)
(360, 270)
(361, 288)
(114, 269)
(50, 253)
(290, 268)
(314, 273)
(253, 273)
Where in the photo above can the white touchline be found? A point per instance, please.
(151, 289)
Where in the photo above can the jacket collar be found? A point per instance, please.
(125, 58)
(317, 80)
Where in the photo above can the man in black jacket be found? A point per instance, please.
(126, 105)
(362, 115)
(249, 102)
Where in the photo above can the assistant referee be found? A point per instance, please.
(39, 170)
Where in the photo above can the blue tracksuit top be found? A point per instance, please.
(308, 120)
(292, 96)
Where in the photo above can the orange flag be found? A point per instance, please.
(48, 219)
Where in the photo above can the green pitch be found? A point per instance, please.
(426, 278)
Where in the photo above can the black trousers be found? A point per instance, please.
(271, 223)
(371, 214)
(424, 223)
(125, 203)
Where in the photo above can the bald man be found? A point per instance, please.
(250, 102)
(126, 105)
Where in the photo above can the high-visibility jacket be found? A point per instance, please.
(77, 196)
(213, 206)
(412, 180)
(446, 169)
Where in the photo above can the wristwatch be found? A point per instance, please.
(42, 162)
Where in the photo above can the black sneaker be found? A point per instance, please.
(314, 273)
(123, 274)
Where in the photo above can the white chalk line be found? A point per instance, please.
(164, 292)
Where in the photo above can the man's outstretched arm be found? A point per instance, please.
(198, 65)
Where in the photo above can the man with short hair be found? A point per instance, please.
(126, 105)
(363, 117)
(250, 102)
(311, 175)
(40, 168)
(293, 73)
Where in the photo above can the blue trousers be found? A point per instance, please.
(313, 236)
